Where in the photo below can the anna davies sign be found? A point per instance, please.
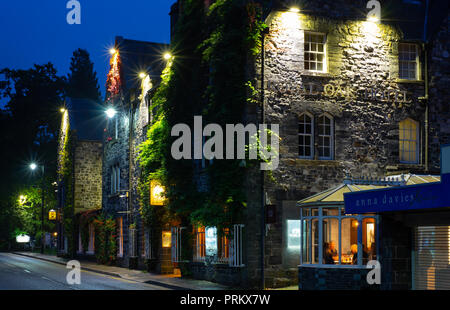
(412, 197)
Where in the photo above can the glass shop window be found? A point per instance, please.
(329, 237)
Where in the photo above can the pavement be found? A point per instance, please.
(136, 276)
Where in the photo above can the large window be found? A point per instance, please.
(330, 237)
(306, 136)
(120, 233)
(325, 135)
(315, 52)
(408, 60)
(409, 141)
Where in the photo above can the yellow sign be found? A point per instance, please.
(166, 239)
(156, 194)
(52, 215)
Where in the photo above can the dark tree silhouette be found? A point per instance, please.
(82, 79)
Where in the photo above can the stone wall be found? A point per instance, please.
(439, 93)
(87, 174)
(116, 152)
(312, 278)
(364, 95)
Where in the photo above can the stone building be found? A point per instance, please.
(136, 67)
(79, 167)
(355, 97)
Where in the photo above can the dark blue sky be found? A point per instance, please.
(37, 31)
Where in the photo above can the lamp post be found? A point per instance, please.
(33, 167)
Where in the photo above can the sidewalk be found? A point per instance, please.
(168, 281)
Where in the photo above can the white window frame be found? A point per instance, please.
(311, 135)
(115, 179)
(417, 161)
(237, 246)
(200, 245)
(331, 136)
(320, 217)
(309, 51)
(416, 61)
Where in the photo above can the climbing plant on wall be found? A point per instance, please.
(210, 76)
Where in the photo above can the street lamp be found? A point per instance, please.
(111, 112)
(167, 56)
(33, 167)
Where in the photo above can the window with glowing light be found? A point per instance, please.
(409, 141)
(115, 179)
(315, 52)
(306, 136)
(408, 60)
(330, 237)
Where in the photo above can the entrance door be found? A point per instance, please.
(432, 258)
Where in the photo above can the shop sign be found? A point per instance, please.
(413, 197)
(337, 91)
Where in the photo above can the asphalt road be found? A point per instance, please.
(24, 273)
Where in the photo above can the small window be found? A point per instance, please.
(306, 136)
(116, 128)
(325, 135)
(409, 141)
(408, 60)
(315, 52)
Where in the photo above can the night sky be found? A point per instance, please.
(37, 31)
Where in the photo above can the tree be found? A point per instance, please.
(83, 82)
(29, 122)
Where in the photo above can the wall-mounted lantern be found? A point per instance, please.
(52, 215)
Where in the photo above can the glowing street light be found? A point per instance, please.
(111, 112)
(33, 166)
(62, 110)
(142, 75)
(294, 10)
(373, 19)
(112, 51)
(167, 56)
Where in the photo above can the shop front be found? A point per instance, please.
(421, 212)
(333, 236)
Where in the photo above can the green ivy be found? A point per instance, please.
(211, 76)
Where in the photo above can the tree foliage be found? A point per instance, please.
(82, 79)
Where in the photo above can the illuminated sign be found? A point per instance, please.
(23, 239)
(166, 239)
(52, 215)
(156, 193)
(211, 241)
(293, 228)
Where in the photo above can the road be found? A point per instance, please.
(24, 273)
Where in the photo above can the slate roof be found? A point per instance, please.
(139, 56)
(87, 118)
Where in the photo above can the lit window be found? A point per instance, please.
(329, 237)
(315, 52)
(200, 246)
(120, 231)
(409, 141)
(305, 136)
(91, 245)
(325, 135)
(408, 56)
